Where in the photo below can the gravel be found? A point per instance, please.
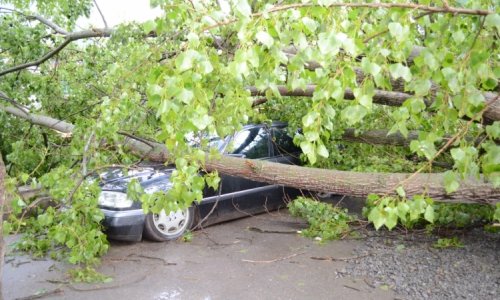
(414, 269)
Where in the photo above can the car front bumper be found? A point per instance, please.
(125, 225)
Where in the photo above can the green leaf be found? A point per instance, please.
(310, 118)
(366, 101)
(328, 43)
(310, 24)
(149, 26)
(186, 96)
(311, 135)
(429, 213)
(322, 151)
(403, 209)
(493, 130)
(400, 71)
(264, 38)
(243, 8)
(450, 182)
(307, 148)
(186, 60)
(376, 218)
(392, 217)
(369, 67)
(422, 87)
(401, 192)
(492, 20)
(458, 36)
(353, 114)
(398, 31)
(202, 122)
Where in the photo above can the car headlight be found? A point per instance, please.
(114, 199)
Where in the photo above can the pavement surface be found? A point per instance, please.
(260, 257)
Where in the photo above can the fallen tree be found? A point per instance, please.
(321, 180)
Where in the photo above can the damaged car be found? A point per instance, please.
(236, 197)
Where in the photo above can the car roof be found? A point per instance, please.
(273, 124)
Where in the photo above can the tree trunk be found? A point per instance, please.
(3, 203)
(331, 181)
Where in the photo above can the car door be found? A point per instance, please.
(239, 196)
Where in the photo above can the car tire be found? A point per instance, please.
(166, 227)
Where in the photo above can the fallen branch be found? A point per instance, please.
(330, 258)
(272, 231)
(390, 98)
(37, 295)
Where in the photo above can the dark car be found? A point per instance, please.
(236, 197)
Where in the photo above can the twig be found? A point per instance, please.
(430, 9)
(329, 258)
(85, 150)
(272, 231)
(102, 15)
(273, 260)
(351, 287)
(387, 30)
(42, 294)
(200, 224)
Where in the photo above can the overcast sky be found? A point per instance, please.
(120, 11)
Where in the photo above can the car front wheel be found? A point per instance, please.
(164, 226)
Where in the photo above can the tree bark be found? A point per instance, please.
(349, 183)
(3, 203)
(322, 180)
(390, 98)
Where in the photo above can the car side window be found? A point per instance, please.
(283, 143)
(252, 143)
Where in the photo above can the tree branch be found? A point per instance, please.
(45, 121)
(419, 7)
(71, 37)
(39, 18)
(491, 114)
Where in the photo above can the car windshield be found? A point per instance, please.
(212, 141)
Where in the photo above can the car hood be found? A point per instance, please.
(117, 179)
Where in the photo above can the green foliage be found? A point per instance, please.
(69, 230)
(325, 221)
(446, 243)
(187, 237)
(391, 211)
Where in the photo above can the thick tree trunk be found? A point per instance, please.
(338, 182)
(3, 203)
(321, 180)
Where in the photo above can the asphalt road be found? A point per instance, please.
(228, 261)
